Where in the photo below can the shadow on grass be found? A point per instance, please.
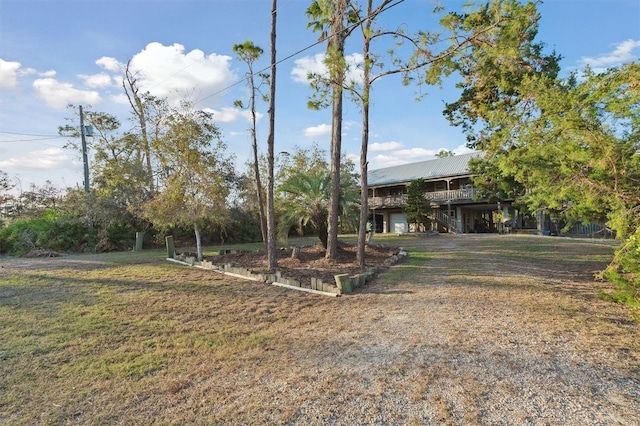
(82, 286)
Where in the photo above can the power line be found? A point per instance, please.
(33, 138)
(349, 28)
(30, 134)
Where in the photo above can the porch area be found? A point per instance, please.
(437, 197)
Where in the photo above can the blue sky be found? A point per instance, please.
(57, 52)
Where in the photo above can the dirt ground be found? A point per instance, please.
(310, 262)
(474, 329)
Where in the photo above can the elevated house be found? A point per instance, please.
(448, 187)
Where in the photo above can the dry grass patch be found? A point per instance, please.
(471, 330)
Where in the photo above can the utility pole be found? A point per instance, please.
(84, 153)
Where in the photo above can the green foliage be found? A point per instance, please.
(248, 51)
(242, 226)
(569, 148)
(492, 183)
(306, 201)
(443, 153)
(116, 236)
(5, 187)
(304, 186)
(624, 272)
(52, 231)
(417, 208)
(197, 171)
(566, 147)
(120, 174)
(37, 200)
(311, 160)
(499, 53)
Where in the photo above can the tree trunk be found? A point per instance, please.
(323, 235)
(139, 112)
(271, 215)
(335, 51)
(256, 165)
(256, 171)
(196, 229)
(295, 253)
(363, 235)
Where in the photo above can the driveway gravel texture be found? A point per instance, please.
(459, 336)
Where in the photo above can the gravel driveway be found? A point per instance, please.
(473, 340)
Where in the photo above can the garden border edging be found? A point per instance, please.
(344, 284)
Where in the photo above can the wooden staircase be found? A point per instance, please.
(443, 219)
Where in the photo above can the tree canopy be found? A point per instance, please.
(562, 146)
(198, 173)
(417, 209)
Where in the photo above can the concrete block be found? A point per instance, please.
(343, 283)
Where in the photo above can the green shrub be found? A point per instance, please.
(48, 232)
(116, 236)
(243, 227)
(624, 272)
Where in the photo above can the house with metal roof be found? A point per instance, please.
(448, 187)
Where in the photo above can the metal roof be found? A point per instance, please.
(455, 165)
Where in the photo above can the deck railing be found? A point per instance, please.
(438, 196)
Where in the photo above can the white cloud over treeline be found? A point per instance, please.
(626, 51)
(315, 64)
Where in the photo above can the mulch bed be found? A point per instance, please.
(310, 262)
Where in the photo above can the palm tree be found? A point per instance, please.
(306, 202)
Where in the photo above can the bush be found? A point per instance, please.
(243, 227)
(49, 232)
(624, 272)
(116, 236)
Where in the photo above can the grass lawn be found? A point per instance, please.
(128, 338)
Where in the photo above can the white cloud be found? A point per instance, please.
(308, 64)
(111, 64)
(416, 154)
(58, 95)
(622, 53)
(167, 71)
(8, 74)
(380, 161)
(354, 157)
(355, 62)
(46, 159)
(229, 115)
(396, 157)
(96, 80)
(348, 124)
(384, 146)
(315, 65)
(120, 98)
(320, 130)
(50, 73)
(462, 149)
